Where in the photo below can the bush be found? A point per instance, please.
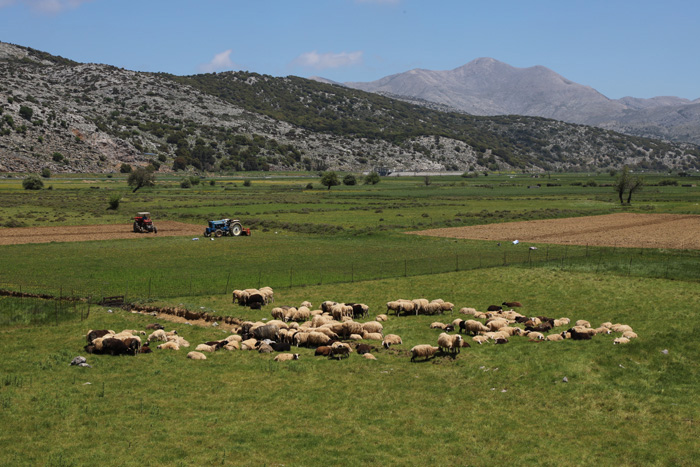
(349, 180)
(125, 169)
(372, 178)
(45, 172)
(194, 180)
(212, 182)
(590, 183)
(185, 183)
(26, 112)
(114, 202)
(57, 156)
(668, 182)
(246, 183)
(33, 182)
(309, 186)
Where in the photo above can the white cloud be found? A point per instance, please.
(220, 62)
(328, 60)
(46, 6)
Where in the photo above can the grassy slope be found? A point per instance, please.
(622, 404)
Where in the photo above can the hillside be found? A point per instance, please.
(73, 117)
(488, 87)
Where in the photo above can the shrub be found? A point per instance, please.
(26, 112)
(372, 178)
(349, 180)
(194, 180)
(309, 186)
(57, 157)
(668, 182)
(125, 169)
(212, 182)
(45, 172)
(590, 183)
(33, 182)
(185, 183)
(114, 202)
(246, 183)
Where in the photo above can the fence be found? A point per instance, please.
(16, 310)
(678, 265)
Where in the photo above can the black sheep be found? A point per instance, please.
(363, 349)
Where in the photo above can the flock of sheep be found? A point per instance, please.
(333, 332)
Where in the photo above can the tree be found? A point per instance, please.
(329, 179)
(621, 183)
(141, 177)
(635, 184)
(26, 112)
(33, 182)
(46, 172)
(125, 169)
(349, 179)
(372, 178)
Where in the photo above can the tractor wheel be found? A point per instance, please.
(136, 227)
(218, 232)
(207, 233)
(236, 229)
(155, 229)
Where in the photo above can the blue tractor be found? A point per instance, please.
(223, 227)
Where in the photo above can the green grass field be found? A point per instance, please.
(622, 405)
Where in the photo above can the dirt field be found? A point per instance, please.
(621, 230)
(82, 233)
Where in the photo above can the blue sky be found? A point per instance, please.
(621, 48)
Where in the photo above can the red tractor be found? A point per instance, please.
(143, 223)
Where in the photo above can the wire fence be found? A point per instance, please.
(138, 286)
(23, 310)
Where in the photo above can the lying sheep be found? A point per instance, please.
(373, 326)
(480, 339)
(437, 325)
(372, 336)
(450, 343)
(204, 348)
(196, 356)
(535, 336)
(158, 335)
(423, 350)
(382, 317)
(555, 337)
(285, 357)
(511, 331)
(629, 335)
(249, 344)
(323, 351)
(369, 356)
(169, 346)
(621, 328)
(583, 323)
(391, 339)
(621, 340)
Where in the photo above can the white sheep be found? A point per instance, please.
(372, 336)
(158, 335)
(480, 339)
(373, 326)
(535, 336)
(316, 339)
(169, 346)
(450, 343)
(205, 348)
(285, 357)
(233, 345)
(621, 328)
(473, 327)
(494, 324)
(392, 339)
(621, 340)
(307, 304)
(355, 337)
(629, 335)
(511, 331)
(555, 337)
(437, 325)
(583, 323)
(382, 317)
(423, 350)
(196, 356)
(249, 344)
(369, 356)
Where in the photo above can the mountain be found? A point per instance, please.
(74, 117)
(488, 87)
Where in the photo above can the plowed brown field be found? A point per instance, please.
(82, 233)
(622, 230)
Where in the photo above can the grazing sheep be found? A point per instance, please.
(512, 304)
(355, 337)
(169, 346)
(392, 339)
(423, 350)
(382, 317)
(369, 356)
(269, 331)
(340, 349)
(158, 335)
(420, 304)
(450, 343)
(480, 339)
(300, 338)
(372, 336)
(306, 304)
(468, 311)
(316, 339)
(447, 306)
(629, 335)
(373, 326)
(472, 327)
(285, 357)
(323, 351)
(196, 356)
(621, 340)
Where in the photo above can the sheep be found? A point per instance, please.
(154, 326)
(306, 304)
(233, 345)
(511, 331)
(372, 336)
(339, 310)
(447, 306)
(323, 351)
(495, 324)
(116, 347)
(355, 337)
(621, 328)
(468, 311)
(300, 338)
(560, 322)
(501, 340)
(340, 349)
(326, 306)
(494, 308)
(603, 330)
(196, 356)
(621, 340)
(583, 323)
(432, 308)
(450, 343)
(382, 317)
(629, 335)
(577, 334)
(269, 331)
(249, 344)
(607, 324)
(363, 349)
(92, 335)
(472, 327)
(512, 304)
(480, 339)
(372, 326)
(423, 350)
(369, 356)
(391, 339)
(264, 347)
(169, 346)
(320, 320)
(358, 309)
(158, 335)
(535, 336)
(278, 313)
(316, 339)
(438, 325)
(179, 340)
(420, 304)
(555, 337)
(351, 327)
(285, 357)
(301, 314)
(204, 348)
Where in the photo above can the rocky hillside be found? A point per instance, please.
(73, 117)
(488, 87)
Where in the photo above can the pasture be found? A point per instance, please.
(622, 404)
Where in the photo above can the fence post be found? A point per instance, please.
(291, 277)
(405, 268)
(320, 274)
(149, 287)
(629, 268)
(228, 278)
(352, 272)
(547, 258)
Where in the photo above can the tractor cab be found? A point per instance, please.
(143, 223)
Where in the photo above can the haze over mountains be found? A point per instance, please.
(488, 87)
